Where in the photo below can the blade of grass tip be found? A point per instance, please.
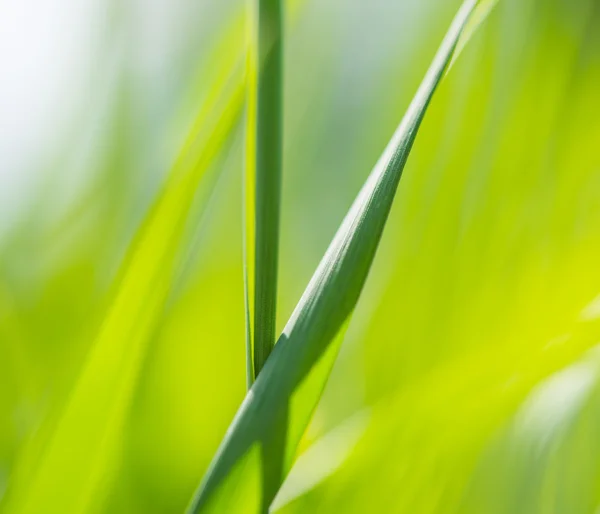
(262, 178)
(73, 466)
(480, 13)
(282, 399)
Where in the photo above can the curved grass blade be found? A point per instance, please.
(74, 465)
(278, 407)
(263, 178)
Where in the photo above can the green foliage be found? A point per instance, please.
(73, 465)
(277, 409)
(461, 376)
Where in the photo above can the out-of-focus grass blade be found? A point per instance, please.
(263, 178)
(321, 459)
(279, 405)
(74, 464)
(548, 454)
(429, 438)
(480, 13)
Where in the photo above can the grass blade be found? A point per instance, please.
(474, 399)
(263, 179)
(74, 465)
(276, 410)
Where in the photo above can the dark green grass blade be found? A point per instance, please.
(277, 409)
(263, 178)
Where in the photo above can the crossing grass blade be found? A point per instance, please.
(262, 178)
(277, 408)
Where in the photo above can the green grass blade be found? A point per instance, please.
(454, 416)
(263, 178)
(550, 439)
(75, 464)
(277, 409)
(480, 13)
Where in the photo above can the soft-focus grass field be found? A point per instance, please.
(468, 378)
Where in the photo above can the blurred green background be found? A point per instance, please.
(468, 380)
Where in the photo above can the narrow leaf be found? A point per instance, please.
(263, 178)
(278, 407)
(81, 450)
